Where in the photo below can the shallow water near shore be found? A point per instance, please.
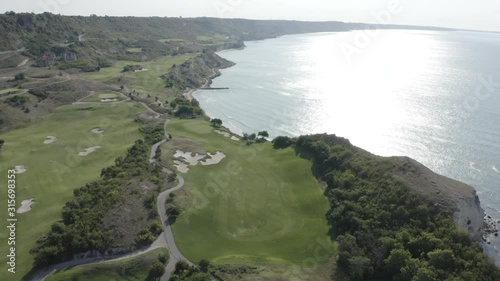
(433, 96)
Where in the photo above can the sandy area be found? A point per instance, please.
(227, 135)
(213, 158)
(20, 169)
(141, 70)
(26, 206)
(50, 139)
(188, 157)
(181, 167)
(98, 131)
(89, 150)
(109, 100)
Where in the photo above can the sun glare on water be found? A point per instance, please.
(364, 94)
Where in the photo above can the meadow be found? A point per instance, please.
(258, 206)
(54, 170)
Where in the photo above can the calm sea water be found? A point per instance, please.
(433, 96)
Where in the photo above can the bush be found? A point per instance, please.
(282, 142)
(19, 77)
(156, 271)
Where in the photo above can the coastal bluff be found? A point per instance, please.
(457, 197)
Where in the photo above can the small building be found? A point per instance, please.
(69, 56)
(47, 59)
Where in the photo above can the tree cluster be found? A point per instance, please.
(184, 272)
(385, 231)
(260, 137)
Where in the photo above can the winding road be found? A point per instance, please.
(165, 240)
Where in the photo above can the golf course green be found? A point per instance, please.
(258, 206)
(99, 96)
(54, 167)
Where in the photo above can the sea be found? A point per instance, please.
(430, 95)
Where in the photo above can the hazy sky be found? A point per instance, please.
(478, 14)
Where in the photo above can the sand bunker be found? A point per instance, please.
(26, 206)
(20, 169)
(109, 100)
(213, 158)
(141, 70)
(98, 131)
(50, 139)
(181, 167)
(88, 151)
(227, 135)
(184, 159)
(188, 157)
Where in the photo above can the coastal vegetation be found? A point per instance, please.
(384, 230)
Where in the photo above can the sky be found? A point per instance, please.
(465, 14)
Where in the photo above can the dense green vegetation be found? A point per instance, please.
(384, 230)
(144, 267)
(81, 228)
(184, 272)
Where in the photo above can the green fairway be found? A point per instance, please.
(259, 205)
(54, 170)
(133, 269)
(147, 81)
(134, 50)
(98, 96)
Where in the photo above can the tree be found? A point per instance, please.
(1, 144)
(19, 77)
(163, 258)
(173, 211)
(263, 134)
(181, 266)
(204, 265)
(252, 137)
(156, 271)
(216, 122)
(282, 142)
(397, 260)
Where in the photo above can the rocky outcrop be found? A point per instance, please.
(457, 197)
(192, 73)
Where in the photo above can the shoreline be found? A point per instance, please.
(189, 93)
(489, 230)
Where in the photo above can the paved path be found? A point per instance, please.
(42, 274)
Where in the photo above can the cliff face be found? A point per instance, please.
(457, 197)
(192, 73)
